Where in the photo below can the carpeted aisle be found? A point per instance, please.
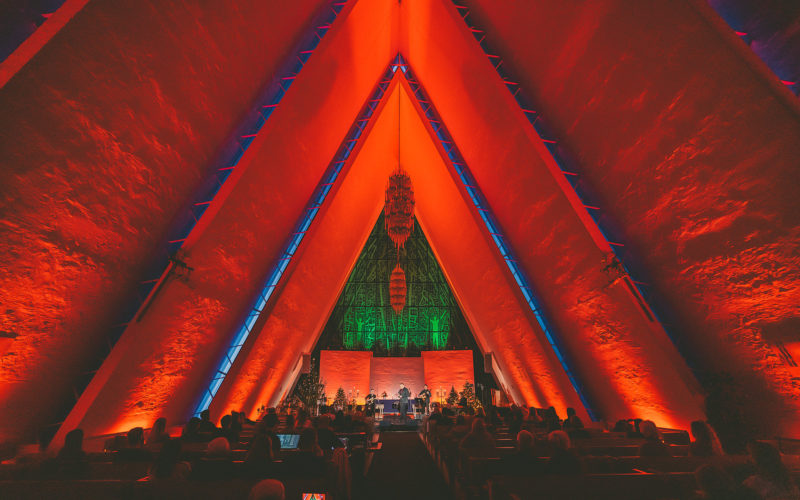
(402, 470)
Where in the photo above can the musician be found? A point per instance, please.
(425, 396)
(370, 400)
(404, 394)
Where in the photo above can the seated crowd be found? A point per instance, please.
(472, 447)
(236, 449)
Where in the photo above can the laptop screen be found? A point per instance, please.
(289, 441)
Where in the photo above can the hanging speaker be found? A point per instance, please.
(488, 366)
(306, 363)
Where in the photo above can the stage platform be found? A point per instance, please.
(395, 423)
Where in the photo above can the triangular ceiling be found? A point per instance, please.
(264, 370)
(162, 363)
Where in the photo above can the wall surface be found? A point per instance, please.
(163, 363)
(446, 369)
(317, 273)
(386, 375)
(348, 370)
(105, 134)
(693, 157)
(622, 358)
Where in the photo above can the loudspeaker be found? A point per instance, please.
(306, 363)
(488, 366)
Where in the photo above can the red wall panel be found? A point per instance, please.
(624, 360)
(386, 375)
(481, 282)
(349, 370)
(446, 369)
(105, 133)
(162, 364)
(693, 155)
(317, 273)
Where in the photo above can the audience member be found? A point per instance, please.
(259, 458)
(71, 461)
(551, 420)
(219, 447)
(191, 432)
(563, 459)
(573, 421)
(267, 427)
(158, 434)
(168, 464)
(478, 443)
(705, 443)
(133, 451)
(653, 446)
(326, 437)
(772, 481)
(308, 457)
(206, 425)
(524, 459)
(715, 484)
(268, 489)
(622, 426)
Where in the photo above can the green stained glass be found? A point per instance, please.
(363, 315)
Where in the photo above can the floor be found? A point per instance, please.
(403, 469)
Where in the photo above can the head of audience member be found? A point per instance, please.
(267, 489)
(271, 421)
(571, 412)
(226, 422)
(767, 460)
(309, 443)
(302, 418)
(324, 422)
(218, 448)
(205, 416)
(559, 440)
(714, 483)
(73, 444)
(167, 458)
(479, 426)
(136, 437)
(524, 442)
(158, 433)
(260, 450)
(192, 428)
(649, 430)
(622, 426)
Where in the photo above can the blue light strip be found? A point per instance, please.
(314, 204)
(492, 227)
(642, 295)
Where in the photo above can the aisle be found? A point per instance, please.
(403, 470)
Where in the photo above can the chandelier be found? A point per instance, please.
(399, 208)
(397, 289)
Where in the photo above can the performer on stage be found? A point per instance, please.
(425, 396)
(404, 393)
(370, 401)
